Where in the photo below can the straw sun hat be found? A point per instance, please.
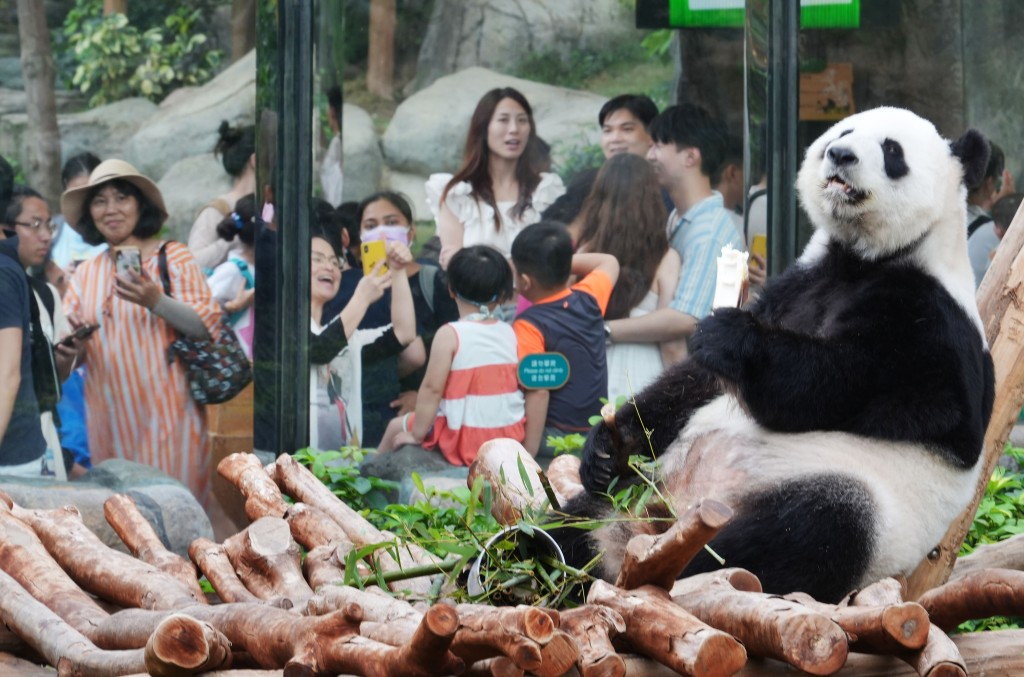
(72, 202)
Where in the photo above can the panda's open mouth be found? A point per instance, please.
(836, 184)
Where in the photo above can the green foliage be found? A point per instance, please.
(578, 158)
(656, 43)
(574, 68)
(111, 59)
(567, 444)
(1000, 515)
(339, 471)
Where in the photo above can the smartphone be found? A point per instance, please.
(372, 253)
(759, 246)
(83, 332)
(128, 258)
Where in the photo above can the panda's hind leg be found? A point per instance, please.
(813, 534)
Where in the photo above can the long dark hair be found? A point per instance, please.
(624, 216)
(475, 168)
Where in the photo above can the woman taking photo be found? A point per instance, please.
(500, 187)
(139, 405)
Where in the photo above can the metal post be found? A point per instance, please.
(783, 113)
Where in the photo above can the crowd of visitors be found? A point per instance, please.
(611, 272)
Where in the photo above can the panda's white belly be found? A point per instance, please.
(722, 453)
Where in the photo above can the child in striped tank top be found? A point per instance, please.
(470, 393)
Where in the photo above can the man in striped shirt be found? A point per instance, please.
(689, 146)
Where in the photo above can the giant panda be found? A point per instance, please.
(841, 416)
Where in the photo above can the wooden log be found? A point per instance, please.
(662, 630)
(557, 656)
(980, 594)
(215, 565)
(62, 646)
(302, 485)
(593, 627)
(184, 646)
(658, 559)
(564, 476)
(1008, 554)
(771, 626)
(734, 577)
(269, 561)
(311, 527)
(106, 573)
(884, 629)
(262, 496)
(879, 593)
(517, 632)
(497, 462)
(13, 665)
(1002, 314)
(25, 559)
(499, 666)
(322, 568)
(138, 534)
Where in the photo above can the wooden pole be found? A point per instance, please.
(1002, 314)
(115, 7)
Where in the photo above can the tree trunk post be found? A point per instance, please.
(1002, 316)
(114, 7)
(43, 166)
(380, 73)
(243, 28)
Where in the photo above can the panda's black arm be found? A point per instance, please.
(662, 408)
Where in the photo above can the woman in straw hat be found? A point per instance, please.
(139, 405)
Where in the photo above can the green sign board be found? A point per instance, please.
(544, 371)
(730, 13)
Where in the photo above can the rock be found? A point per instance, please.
(362, 161)
(103, 130)
(428, 130)
(187, 186)
(464, 33)
(399, 465)
(188, 126)
(167, 504)
(10, 72)
(412, 187)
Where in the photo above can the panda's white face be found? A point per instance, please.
(881, 180)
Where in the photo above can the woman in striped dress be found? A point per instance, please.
(139, 404)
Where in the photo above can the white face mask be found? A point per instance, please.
(387, 234)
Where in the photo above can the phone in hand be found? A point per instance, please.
(83, 332)
(759, 246)
(127, 258)
(372, 253)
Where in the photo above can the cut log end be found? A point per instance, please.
(815, 644)
(717, 655)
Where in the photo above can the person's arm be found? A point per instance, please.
(412, 357)
(403, 311)
(664, 324)
(370, 288)
(536, 417)
(585, 264)
(208, 248)
(451, 232)
(442, 352)
(144, 291)
(10, 373)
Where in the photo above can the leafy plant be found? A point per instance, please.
(1000, 515)
(339, 471)
(112, 59)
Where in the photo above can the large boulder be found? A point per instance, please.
(464, 33)
(188, 125)
(362, 160)
(428, 130)
(168, 505)
(104, 130)
(411, 186)
(187, 186)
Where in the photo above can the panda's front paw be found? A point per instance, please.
(606, 456)
(721, 342)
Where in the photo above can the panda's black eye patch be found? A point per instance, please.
(844, 133)
(895, 164)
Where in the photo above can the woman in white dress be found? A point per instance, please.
(624, 215)
(500, 187)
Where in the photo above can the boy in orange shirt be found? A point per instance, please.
(563, 319)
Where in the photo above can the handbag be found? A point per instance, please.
(217, 369)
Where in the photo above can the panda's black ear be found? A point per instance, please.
(973, 150)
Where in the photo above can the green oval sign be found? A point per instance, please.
(548, 371)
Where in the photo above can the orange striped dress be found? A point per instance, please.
(481, 399)
(138, 405)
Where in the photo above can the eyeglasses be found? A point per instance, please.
(321, 260)
(37, 223)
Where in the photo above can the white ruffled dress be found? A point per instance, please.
(477, 217)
